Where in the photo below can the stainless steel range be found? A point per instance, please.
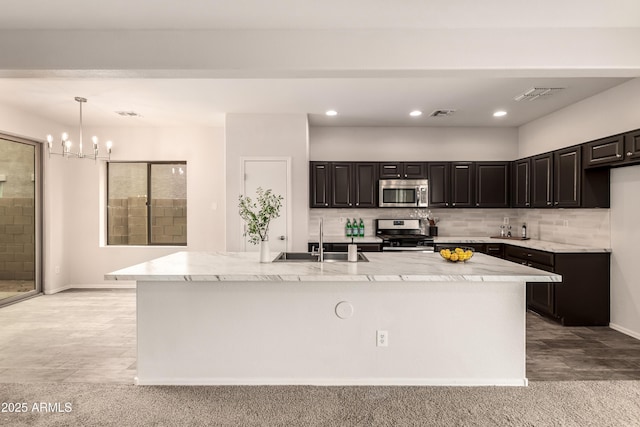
(404, 235)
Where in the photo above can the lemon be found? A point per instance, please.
(454, 257)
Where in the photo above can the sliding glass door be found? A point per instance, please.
(20, 218)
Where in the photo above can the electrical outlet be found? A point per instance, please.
(565, 222)
(382, 339)
(505, 220)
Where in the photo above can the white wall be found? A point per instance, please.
(268, 135)
(613, 111)
(625, 235)
(29, 126)
(203, 150)
(412, 143)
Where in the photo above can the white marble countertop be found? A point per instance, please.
(406, 266)
(540, 245)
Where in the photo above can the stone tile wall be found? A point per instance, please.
(128, 221)
(17, 239)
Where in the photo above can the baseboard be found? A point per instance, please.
(125, 285)
(625, 331)
(456, 382)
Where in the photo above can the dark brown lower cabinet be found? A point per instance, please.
(581, 299)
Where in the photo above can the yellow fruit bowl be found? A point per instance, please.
(457, 254)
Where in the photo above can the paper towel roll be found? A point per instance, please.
(353, 253)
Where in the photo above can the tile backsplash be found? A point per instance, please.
(577, 226)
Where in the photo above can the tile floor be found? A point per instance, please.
(90, 335)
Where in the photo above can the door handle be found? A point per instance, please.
(281, 237)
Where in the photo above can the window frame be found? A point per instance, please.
(148, 163)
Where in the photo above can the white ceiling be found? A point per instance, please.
(359, 101)
(317, 14)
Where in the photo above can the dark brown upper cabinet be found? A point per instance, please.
(521, 183)
(439, 184)
(567, 177)
(613, 151)
(492, 184)
(606, 151)
(462, 184)
(632, 146)
(403, 170)
(365, 182)
(320, 188)
(341, 184)
(542, 181)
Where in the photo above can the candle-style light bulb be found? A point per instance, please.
(95, 141)
(65, 136)
(109, 145)
(67, 145)
(49, 141)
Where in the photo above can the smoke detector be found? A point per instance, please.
(128, 114)
(442, 113)
(537, 92)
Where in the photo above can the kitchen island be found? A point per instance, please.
(399, 319)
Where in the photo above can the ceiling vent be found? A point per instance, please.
(128, 114)
(537, 92)
(442, 113)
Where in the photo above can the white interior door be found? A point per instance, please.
(269, 173)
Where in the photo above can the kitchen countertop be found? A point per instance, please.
(541, 245)
(387, 267)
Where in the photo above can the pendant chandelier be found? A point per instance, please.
(67, 144)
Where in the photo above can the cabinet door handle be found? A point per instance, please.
(629, 154)
(618, 155)
(453, 204)
(556, 203)
(548, 203)
(526, 204)
(326, 204)
(357, 204)
(477, 204)
(529, 264)
(446, 204)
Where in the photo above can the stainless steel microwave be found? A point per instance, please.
(403, 193)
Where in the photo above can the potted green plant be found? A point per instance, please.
(258, 215)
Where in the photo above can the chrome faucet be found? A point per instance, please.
(321, 243)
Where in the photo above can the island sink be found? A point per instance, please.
(313, 257)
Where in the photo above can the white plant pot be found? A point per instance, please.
(265, 255)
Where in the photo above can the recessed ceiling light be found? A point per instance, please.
(415, 113)
(499, 113)
(331, 113)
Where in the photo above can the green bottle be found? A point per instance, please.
(361, 228)
(354, 228)
(348, 228)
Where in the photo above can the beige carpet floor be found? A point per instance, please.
(571, 403)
